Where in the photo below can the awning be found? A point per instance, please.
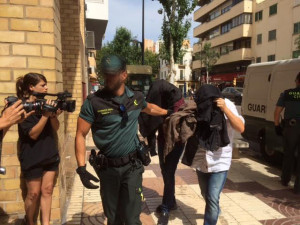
(225, 77)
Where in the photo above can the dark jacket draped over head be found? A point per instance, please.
(163, 94)
(211, 124)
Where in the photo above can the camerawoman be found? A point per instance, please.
(39, 156)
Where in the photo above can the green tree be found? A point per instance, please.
(208, 58)
(124, 45)
(121, 45)
(152, 59)
(175, 28)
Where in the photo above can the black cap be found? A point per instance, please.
(112, 64)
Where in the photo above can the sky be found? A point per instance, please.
(128, 13)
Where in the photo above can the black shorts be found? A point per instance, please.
(38, 171)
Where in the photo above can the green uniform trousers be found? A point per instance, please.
(121, 193)
(291, 137)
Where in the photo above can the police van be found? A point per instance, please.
(139, 77)
(262, 87)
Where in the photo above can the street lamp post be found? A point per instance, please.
(143, 43)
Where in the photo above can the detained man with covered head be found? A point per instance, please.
(112, 115)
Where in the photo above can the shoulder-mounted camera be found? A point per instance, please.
(39, 105)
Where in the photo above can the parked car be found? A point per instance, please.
(234, 94)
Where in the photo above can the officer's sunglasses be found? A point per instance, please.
(124, 115)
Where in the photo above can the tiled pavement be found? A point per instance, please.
(252, 195)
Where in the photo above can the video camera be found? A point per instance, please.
(39, 105)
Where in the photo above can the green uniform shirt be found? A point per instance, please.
(290, 100)
(102, 110)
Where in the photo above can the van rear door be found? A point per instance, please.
(256, 88)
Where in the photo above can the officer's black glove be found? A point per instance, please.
(278, 130)
(86, 177)
(170, 111)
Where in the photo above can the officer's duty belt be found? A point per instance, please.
(292, 122)
(122, 161)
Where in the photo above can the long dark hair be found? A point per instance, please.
(24, 82)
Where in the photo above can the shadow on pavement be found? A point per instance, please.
(93, 213)
(184, 213)
(266, 188)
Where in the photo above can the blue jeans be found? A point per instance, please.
(211, 185)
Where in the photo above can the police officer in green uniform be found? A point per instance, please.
(290, 101)
(112, 114)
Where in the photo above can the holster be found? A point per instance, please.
(143, 153)
(97, 161)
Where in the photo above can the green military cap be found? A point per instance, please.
(112, 64)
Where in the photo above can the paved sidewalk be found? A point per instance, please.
(252, 195)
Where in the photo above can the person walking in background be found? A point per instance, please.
(191, 92)
(112, 114)
(38, 156)
(211, 151)
(290, 101)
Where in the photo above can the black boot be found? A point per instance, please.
(163, 218)
(160, 208)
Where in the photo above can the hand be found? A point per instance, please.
(56, 114)
(170, 111)
(221, 103)
(14, 113)
(86, 178)
(47, 113)
(278, 130)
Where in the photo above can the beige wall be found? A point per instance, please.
(72, 59)
(29, 42)
(45, 36)
(149, 45)
(283, 22)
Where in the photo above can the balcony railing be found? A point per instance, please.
(206, 9)
(244, 30)
(236, 55)
(242, 7)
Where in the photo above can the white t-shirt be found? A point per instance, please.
(220, 160)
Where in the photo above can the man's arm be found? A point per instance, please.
(154, 110)
(236, 123)
(83, 128)
(277, 113)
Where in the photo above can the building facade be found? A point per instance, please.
(184, 78)
(244, 32)
(96, 23)
(149, 45)
(47, 37)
